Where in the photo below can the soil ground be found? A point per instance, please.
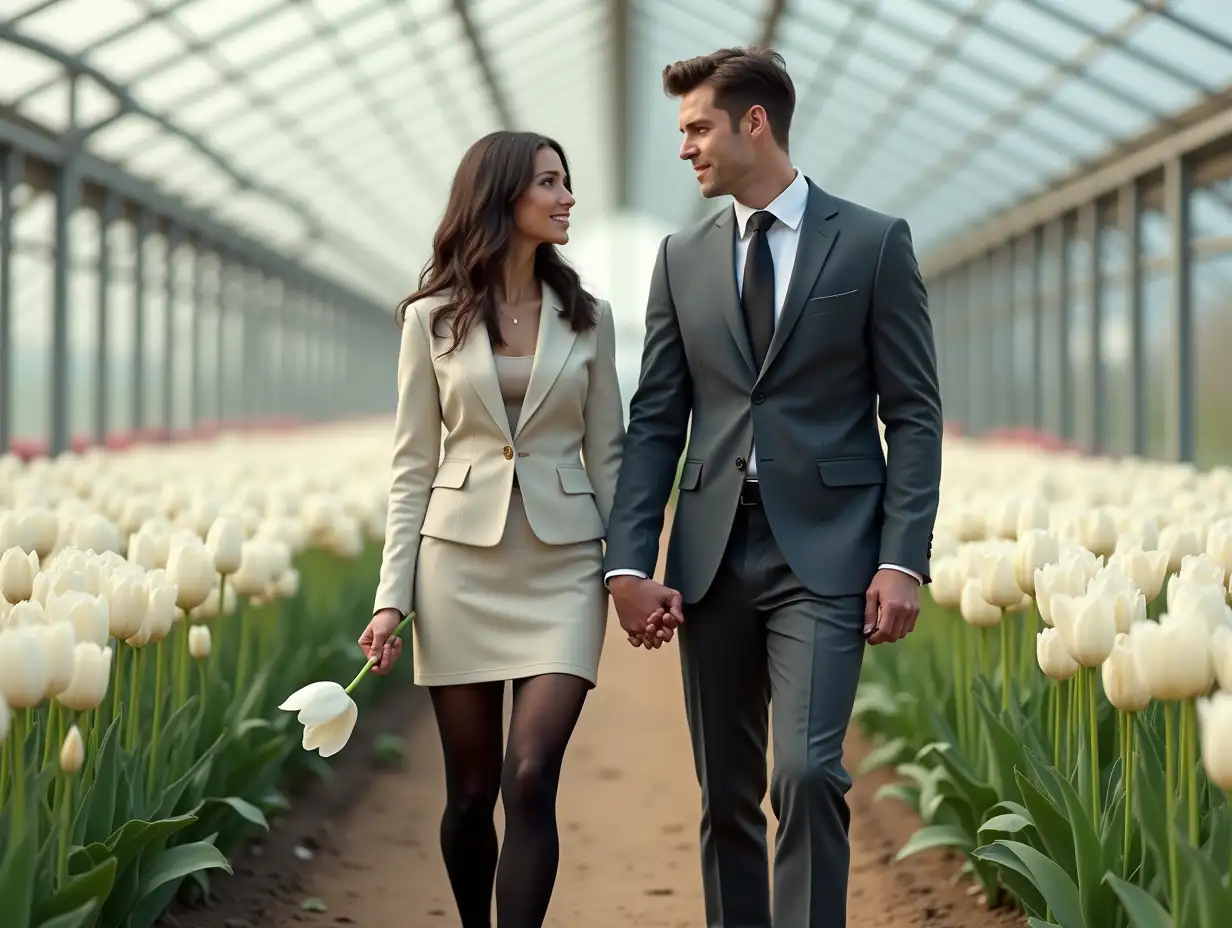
(362, 849)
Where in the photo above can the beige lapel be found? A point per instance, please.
(478, 367)
(552, 346)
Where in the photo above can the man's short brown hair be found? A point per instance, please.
(741, 78)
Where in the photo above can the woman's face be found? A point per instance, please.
(541, 213)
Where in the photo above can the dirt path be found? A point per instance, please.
(628, 818)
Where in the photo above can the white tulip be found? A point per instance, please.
(128, 599)
(200, 642)
(1053, 659)
(1174, 656)
(73, 752)
(949, 574)
(1087, 625)
(1147, 568)
(1124, 683)
(1052, 580)
(89, 615)
(977, 611)
(58, 640)
(23, 666)
(1128, 603)
(17, 572)
(1201, 569)
(225, 543)
(191, 568)
(1178, 541)
(1215, 734)
(90, 680)
(328, 715)
(1036, 549)
(1097, 531)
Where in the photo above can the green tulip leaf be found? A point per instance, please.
(884, 755)
(1051, 824)
(1053, 883)
(900, 791)
(1140, 907)
(241, 807)
(88, 889)
(931, 836)
(1098, 904)
(17, 872)
(1014, 874)
(80, 917)
(175, 863)
(97, 815)
(134, 837)
(1006, 823)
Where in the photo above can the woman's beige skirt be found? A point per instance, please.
(517, 609)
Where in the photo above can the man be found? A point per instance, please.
(783, 326)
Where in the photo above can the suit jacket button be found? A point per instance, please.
(740, 462)
(759, 397)
(507, 452)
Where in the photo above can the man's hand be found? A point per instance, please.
(648, 611)
(891, 606)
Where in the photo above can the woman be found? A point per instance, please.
(506, 385)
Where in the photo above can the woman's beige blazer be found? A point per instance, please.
(455, 455)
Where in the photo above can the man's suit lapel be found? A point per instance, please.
(719, 275)
(552, 346)
(819, 231)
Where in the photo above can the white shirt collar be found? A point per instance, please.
(788, 207)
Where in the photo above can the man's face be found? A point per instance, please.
(719, 155)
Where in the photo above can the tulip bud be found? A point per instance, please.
(1124, 683)
(199, 642)
(948, 575)
(1215, 735)
(58, 640)
(73, 752)
(1057, 579)
(1201, 569)
(1052, 657)
(128, 599)
(1178, 541)
(1146, 568)
(996, 577)
(17, 572)
(191, 568)
(1097, 531)
(1219, 547)
(1032, 514)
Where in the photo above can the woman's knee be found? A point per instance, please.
(473, 801)
(529, 781)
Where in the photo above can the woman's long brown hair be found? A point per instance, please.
(474, 236)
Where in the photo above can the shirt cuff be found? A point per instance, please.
(903, 570)
(622, 572)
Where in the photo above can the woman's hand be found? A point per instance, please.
(377, 644)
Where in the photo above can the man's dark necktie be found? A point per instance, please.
(757, 291)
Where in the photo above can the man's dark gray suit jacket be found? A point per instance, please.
(853, 341)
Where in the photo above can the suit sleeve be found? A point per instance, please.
(416, 455)
(909, 402)
(658, 427)
(605, 416)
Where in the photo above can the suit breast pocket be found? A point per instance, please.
(843, 301)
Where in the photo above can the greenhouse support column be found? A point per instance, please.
(222, 312)
(170, 320)
(1129, 211)
(137, 371)
(1065, 368)
(1035, 306)
(195, 334)
(12, 171)
(1179, 418)
(1092, 278)
(67, 186)
(102, 330)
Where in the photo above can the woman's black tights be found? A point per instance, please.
(470, 719)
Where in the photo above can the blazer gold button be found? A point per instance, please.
(507, 452)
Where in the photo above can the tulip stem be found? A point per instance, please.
(1174, 873)
(159, 672)
(1127, 780)
(368, 666)
(242, 627)
(1189, 721)
(1005, 663)
(1093, 734)
(1058, 697)
(118, 684)
(17, 736)
(49, 737)
(65, 799)
(134, 697)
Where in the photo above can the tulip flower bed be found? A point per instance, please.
(1061, 714)
(159, 607)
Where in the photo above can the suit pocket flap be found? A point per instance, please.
(852, 472)
(690, 475)
(451, 474)
(574, 479)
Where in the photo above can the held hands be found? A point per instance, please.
(378, 645)
(649, 612)
(891, 606)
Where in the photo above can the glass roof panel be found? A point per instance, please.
(350, 115)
